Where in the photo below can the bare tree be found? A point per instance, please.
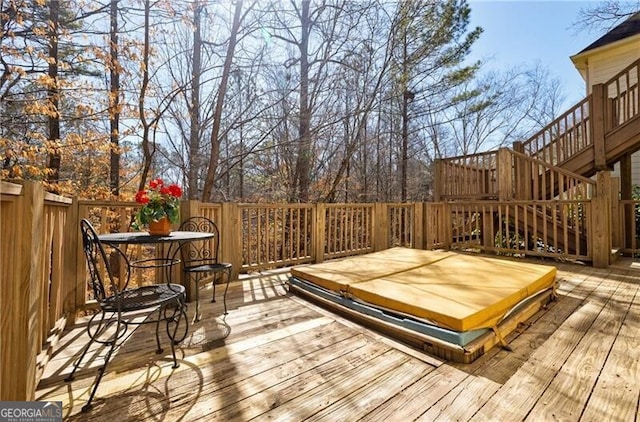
(217, 114)
(499, 108)
(148, 149)
(603, 16)
(114, 99)
(195, 132)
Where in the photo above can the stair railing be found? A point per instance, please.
(537, 180)
(564, 137)
(623, 97)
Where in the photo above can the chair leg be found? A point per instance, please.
(103, 368)
(159, 349)
(197, 316)
(182, 309)
(101, 326)
(224, 297)
(178, 313)
(213, 284)
(101, 372)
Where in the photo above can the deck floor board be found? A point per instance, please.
(276, 356)
(567, 394)
(617, 389)
(522, 391)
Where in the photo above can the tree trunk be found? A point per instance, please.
(194, 108)
(53, 95)
(405, 145)
(405, 125)
(114, 102)
(147, 150)
(303, 164)
(217, 115)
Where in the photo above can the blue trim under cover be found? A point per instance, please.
(460, 338)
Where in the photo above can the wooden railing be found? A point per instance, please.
(402, 224)
(555, 229)
(628, 219)
(33, 283)
(617, 101)
(348, 229)
(564, 137)
(506, 174)
(436, 226)
(52, 278)
(44, 285)
(265, 236)
(467, 177)
(623, 97)
(276, 235)
(537, 180)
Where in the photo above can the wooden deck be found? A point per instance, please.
(277, 357)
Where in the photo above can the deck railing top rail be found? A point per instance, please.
(536, 179)
(551, 167)
(8, 188)
(481, 158)
(627, 70)
(564, 137)
(623, 96)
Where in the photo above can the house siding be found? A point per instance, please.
(606, 64)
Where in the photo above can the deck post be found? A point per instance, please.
(601, 220)
(9, 195)
(380, 226)
(522, 173)
(418, 226)
(616, 238)
(20, 302)
(318, 222)
(437, 180)
(188, 209)
(505, 177)
(488, 229)
(447, 230)
(231, 237)
(73, 263)
(597, 119)
(626, 194)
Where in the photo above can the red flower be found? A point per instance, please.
(141, 197)
(156, 183)
(158, 201)
(174, 190)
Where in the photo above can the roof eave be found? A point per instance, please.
(584, 55)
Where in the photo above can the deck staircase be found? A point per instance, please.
(595, 133)
(556, 163)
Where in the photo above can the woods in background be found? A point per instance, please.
(328, 100)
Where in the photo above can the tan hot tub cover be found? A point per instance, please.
(456, 291)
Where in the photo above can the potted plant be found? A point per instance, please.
(160, 207)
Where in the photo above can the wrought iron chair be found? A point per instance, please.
(201, 259)
(119, 304)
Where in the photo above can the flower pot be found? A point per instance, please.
(161, 227)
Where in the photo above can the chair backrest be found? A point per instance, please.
(202, 251)
(102, 280)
